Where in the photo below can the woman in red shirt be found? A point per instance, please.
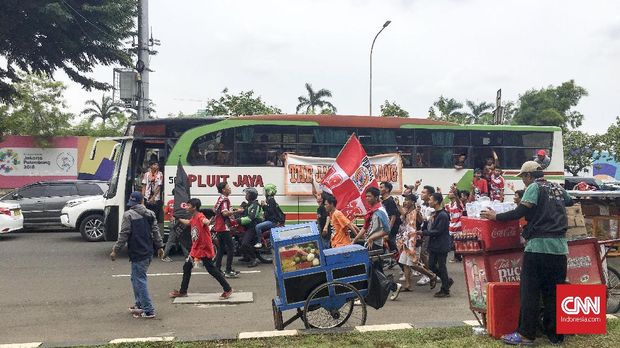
(202, 249)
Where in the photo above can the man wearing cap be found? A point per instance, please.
(544, 261)
(542, 159)
(140, 231)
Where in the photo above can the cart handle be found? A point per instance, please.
(609, 241)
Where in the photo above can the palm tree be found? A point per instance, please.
(105, 110)
(315, 99)
(449, 110)
(477, 111)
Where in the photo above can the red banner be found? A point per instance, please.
(349, 177)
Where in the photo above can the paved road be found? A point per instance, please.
(54, 287)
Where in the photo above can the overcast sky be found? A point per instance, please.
(463, 49)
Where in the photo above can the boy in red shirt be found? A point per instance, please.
(202, 249)
(497, 185)
(479, 187)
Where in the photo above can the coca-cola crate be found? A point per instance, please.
(495, 235)
(467, 244)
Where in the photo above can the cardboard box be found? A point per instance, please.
(575, 210)
(576, 233)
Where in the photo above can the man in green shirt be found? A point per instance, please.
(544, 262)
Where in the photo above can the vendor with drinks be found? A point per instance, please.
(545, 258)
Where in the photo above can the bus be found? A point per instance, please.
(293, 152)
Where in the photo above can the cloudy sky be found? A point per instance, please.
(464, 49)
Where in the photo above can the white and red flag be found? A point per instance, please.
(349, 177)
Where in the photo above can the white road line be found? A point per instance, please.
(142, 339)
(22, 345)
(173, 274)
(386, 327)
(262, 334)
(471, 322)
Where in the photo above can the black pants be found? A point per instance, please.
(214, 272)
(540, 274)
(437, 265)
(156, 208)
(247, 243)
(226, 243)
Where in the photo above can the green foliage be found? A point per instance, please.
(449, 110)
(581, 150)
(551, 106)
(479, 112)
(104, 110)
(611, 140)
(37, 109)
(245, 103)
(115, 127)
(74, 36)
(315, 99)
(393, 109)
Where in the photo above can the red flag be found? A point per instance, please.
(349, 177)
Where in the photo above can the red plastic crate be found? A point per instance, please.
(495, 235)
(503, 308)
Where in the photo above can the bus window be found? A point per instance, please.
(515, 157)
(483, 154)
(441, 138)
(486, 138)
(212, 149)
(541, 140)
(437, 157)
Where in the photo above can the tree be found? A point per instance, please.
(447, 110)
(37, 109)
(551, 106)
(478, 112)
(580, 150)
(116, 126)
(315, 99)
(74, 36)
(611, 140)
(104, 110)
(393, 109)
(245, 103)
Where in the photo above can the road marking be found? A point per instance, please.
(173, 274)
(22, 345)
(386, 327)
(611, 316)
(214, 305)
(262, 334)
(471, 322)
(142, 339)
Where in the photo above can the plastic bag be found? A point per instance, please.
(379, 288)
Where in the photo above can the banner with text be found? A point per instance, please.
(302, 171)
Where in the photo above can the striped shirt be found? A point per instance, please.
(456, 211)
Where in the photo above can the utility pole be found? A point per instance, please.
(498, 117)
(142, 66)
(370, 82)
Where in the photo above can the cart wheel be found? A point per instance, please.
(613, 290)
(277, 316)
(330, 311)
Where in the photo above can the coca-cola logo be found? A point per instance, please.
(504, 233)
(508, 270)
(579, 262)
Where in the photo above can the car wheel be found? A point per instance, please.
(92, 228)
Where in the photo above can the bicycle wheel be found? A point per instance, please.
(333, 305)
(613, 290)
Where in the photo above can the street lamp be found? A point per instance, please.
(371, 47)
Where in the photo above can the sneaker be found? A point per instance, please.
(433, 282)
(394, 294)
(231, 274)
(423, 281)
(401, 279)
(415, 273)
(145, 315)
(450, 283)
(226, 294)
(442, 294)
(177, 293)
(135, 310)
(253, 263)
(258, 245)
(166, 259)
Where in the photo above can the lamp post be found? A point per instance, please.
(371, 48)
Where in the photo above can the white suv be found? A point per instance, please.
(86, 214)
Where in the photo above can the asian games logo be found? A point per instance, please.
(65, 161)
(9, 159)
(363, 176)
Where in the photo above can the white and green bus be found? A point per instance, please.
(252, 151)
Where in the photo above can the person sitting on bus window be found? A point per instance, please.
(542, 159)
(281, 159)
(194, 156)
(222, 157)
(460, 161)
(420, 161)
(252, 216)
(340, 224)
(273, 214)
(479, 186)
(497, 185)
